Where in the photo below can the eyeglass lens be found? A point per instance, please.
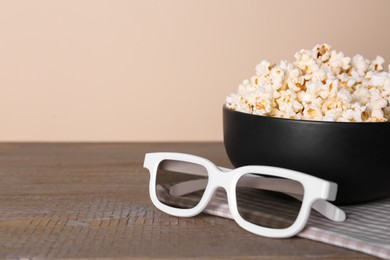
(191, 177)
(266, 208)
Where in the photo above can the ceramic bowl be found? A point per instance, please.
(354, 155)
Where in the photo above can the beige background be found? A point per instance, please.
(156, 70)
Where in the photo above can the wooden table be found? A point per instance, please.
(61, 200)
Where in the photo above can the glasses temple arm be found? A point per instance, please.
(183, 167)
(325, 208)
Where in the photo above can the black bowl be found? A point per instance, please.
(354, 155)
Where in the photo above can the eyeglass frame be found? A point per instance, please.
(315, 189)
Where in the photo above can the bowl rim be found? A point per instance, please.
(304, 121)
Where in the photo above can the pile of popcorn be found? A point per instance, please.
(321, 84)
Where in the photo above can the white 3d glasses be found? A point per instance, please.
(281, 199)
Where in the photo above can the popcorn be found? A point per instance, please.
(321, 84)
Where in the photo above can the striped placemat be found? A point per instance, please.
(366, 229)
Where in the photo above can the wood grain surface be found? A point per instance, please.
(90, 200)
